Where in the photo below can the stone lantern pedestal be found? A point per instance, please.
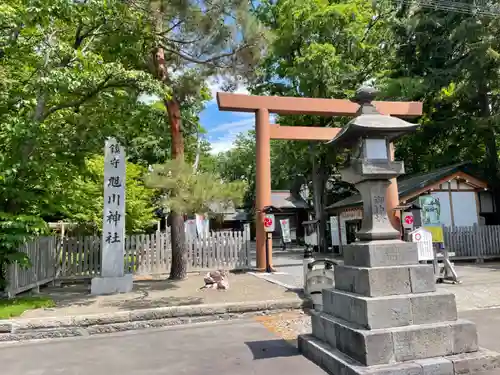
(384, 315)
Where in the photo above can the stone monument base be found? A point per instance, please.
(112, 285)
(385, 317)
(335, 362)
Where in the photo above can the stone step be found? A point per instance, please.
(481, 362)
(380, 253)
(390, 311)
(385, 281)
(397, 344)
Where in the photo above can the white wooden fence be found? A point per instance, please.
(41, 253)
(80, 257)
(475, 243)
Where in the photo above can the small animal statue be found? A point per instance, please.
(216, 280)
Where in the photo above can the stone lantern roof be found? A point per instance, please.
(370, 123)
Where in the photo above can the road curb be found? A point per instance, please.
(270, 279)
(86, 325)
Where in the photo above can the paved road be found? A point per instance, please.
(241, 348)
(488, 326)
(478, 290)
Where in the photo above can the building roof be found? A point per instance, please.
(409, 184)
(285, 199)
(229, 212)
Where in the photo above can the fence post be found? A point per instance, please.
(11, 279)
(246, 239)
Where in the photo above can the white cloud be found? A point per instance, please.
(222, 146)
(240, 125)
(215, 85)
(235, 126)
(243, 114)
(148, 98)
(222, 137)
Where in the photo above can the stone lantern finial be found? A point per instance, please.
(364, 96)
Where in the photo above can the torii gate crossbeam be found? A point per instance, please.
(262, 106)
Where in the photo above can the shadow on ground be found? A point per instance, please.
(271, 349)
(78, 295)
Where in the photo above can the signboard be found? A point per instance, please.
(285, 230)
(202, 226)
(437, 233)
(343, 231)
(430, 209)
(269, 223)
(113, 223)
(408, 220)
(190, 228)
(431, 217)
(352, 215)
(423, 238)
(334, 230)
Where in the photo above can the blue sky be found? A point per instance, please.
(223, 127)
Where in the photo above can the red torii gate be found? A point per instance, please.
(262, 106)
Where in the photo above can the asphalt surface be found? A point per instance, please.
(242, 348)
(238, 347)
(488, 326)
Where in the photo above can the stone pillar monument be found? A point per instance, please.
(113, 278)
(384, 315)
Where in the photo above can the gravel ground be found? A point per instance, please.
(287, 325)
(477, 292)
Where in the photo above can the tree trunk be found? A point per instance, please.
(174, 119)
(173, 115)
(178, 237)
(491, 149)
(3, 275)
(318, 182)
(178, 271)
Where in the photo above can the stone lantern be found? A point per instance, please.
(369, 166)
(383, 315)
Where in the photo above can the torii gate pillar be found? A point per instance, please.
(262, 184)
(263, 105)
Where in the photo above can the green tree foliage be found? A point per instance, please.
(238, 164)
(67, 87)
(451, 61)
(188, 193)
(322, 49)
(194, 193)
(66, 77)
(86, 203)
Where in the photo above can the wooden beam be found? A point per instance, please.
(303, 133)
(464, 176)
(428, 187)
(312, 106)
(472, 180)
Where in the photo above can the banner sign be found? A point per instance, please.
(334, 230)
(285, 230)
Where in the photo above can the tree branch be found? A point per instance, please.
(178, 23)
(185, 41)
(76, 103)
(211, 60)
(78, 37)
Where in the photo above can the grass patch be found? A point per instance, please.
(10, 308)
